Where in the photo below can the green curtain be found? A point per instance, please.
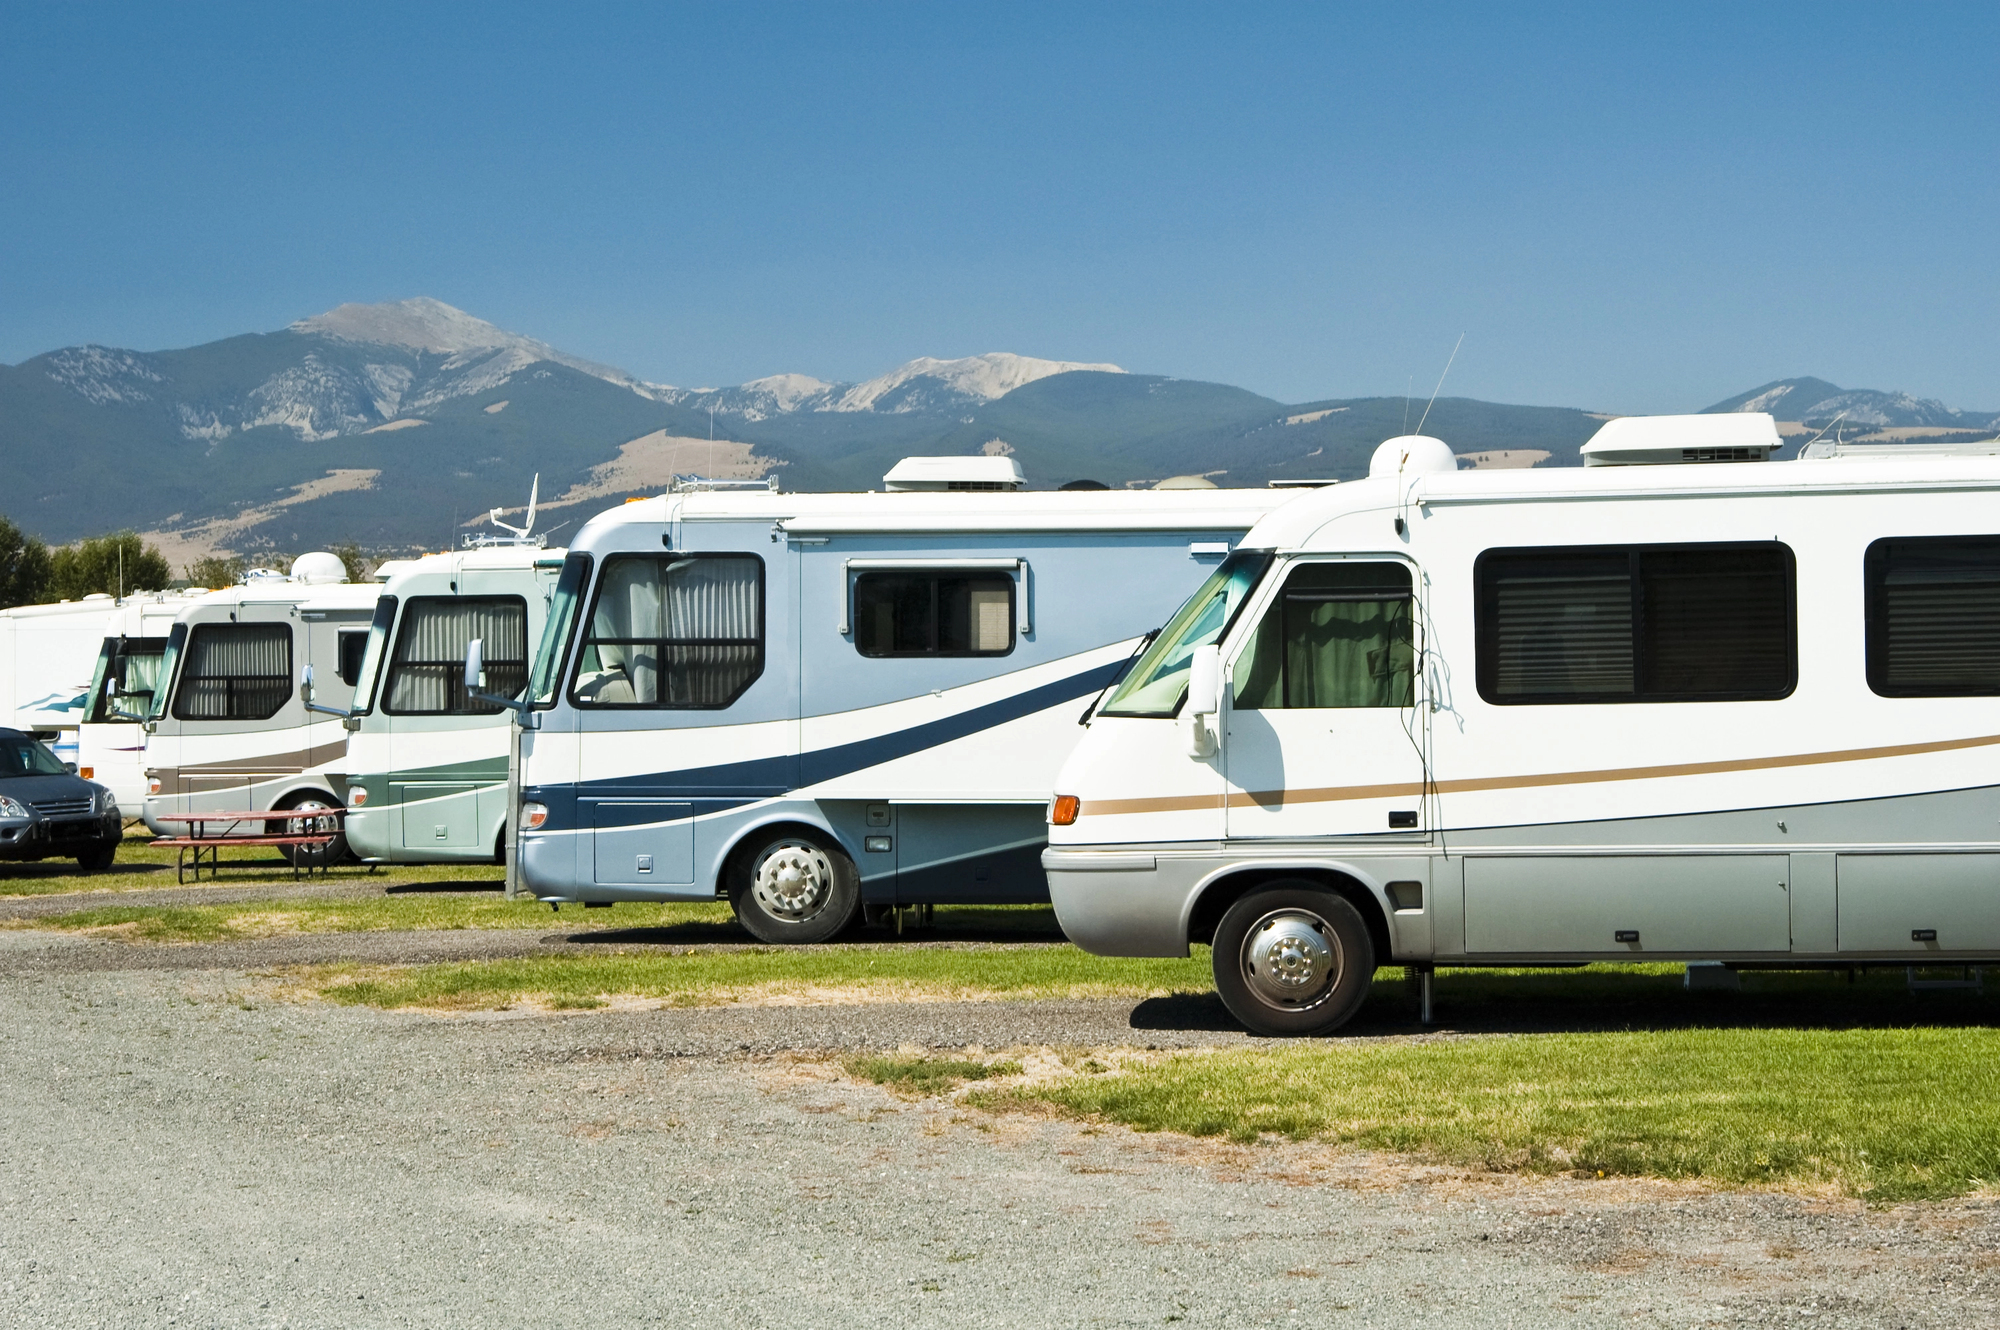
(1315, 652)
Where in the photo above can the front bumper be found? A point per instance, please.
(1123, 902)
(54, 838)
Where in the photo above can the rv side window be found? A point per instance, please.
(427, 673)
(1636, 623)
(672, 630)
(933, 614)
(235, 671)
(353, 647)
(1933, 605)
(1338, 635)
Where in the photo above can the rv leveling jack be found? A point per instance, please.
(1422, 976)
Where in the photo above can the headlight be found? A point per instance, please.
(533, 815)
(107, 802)
(11, 807)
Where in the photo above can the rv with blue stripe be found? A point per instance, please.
(820, 706)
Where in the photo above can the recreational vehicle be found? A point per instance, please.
(230, 725)
(1682, 703)
(820, 704)
(426, 766)
(111, 738)
(46, 655)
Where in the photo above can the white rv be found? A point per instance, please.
(1681, 703)
(426, 764)
(230, 728)
(46, 656)
(818, 705)
(110, 738)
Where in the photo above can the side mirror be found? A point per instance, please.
(306, 684)
(1204, 700)
(475, 664)
(1205, 681)
(70, 767)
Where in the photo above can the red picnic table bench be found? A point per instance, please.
(211, 831)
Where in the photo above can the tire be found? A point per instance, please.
(794, 887)
(98, 857)
(1293, 959)
(311, 856)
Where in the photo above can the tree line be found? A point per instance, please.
(118, 564)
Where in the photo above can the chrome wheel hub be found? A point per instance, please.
(793, 881)
(1291, 958)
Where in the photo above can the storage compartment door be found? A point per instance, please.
(1628, 905)
(642, 843)
(438, 815)
(971, 854)
(1916, 904)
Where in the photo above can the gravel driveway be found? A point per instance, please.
(181, 1151)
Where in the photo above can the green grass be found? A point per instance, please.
(919, 1076)
(383, 913)
(881, 971)
(140, 867)
(1885, 1114)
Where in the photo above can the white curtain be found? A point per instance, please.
(235, 671)
(428, 674)
(674, 631)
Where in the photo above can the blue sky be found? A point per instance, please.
(1634, 208)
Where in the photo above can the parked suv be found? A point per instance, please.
(47, 811)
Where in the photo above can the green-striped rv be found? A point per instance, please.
(427, 764)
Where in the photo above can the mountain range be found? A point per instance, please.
(399, 425)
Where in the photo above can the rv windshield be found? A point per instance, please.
(131, 665)
(163, 682)
(371, 655)
(1159, 681)
(555, 632)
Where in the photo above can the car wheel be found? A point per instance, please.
(311, 856)
(98, 857)
(795, 888)
(1293, 959)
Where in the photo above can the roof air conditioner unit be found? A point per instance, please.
(1731, 436)
(954, 473)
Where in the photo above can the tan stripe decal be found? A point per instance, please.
(1275, 799)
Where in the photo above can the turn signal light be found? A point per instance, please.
(153, 785)
(1063, 811)
(357, 796)
(86, 772)
(533, 815)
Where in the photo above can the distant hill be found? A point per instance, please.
(397, 425)
(1816, 402)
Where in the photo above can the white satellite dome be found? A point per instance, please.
(1412, 455)
(319, 566)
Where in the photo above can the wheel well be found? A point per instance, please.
(737, 860)
(1219, 895)
(296, 797)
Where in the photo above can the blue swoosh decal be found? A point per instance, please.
(733, 783)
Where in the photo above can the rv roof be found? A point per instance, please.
(1039, 510)
(1292, 526)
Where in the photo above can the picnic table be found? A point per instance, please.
(209, 832)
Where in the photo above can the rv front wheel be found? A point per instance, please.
(795, 888)
(311, 856)
(1293, 959)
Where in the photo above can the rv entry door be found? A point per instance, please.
(1324, 735)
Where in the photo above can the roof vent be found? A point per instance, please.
(914, 474)
(1728, 436)
(1411, 455)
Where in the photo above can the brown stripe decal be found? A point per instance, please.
(1274, 799)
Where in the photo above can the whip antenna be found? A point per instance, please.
(1434, 392)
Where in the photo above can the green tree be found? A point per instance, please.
(215, 572)
(24, 567)
(116, 565)
(359, 565)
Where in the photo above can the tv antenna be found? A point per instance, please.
(520, 532)
(1440, 384)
